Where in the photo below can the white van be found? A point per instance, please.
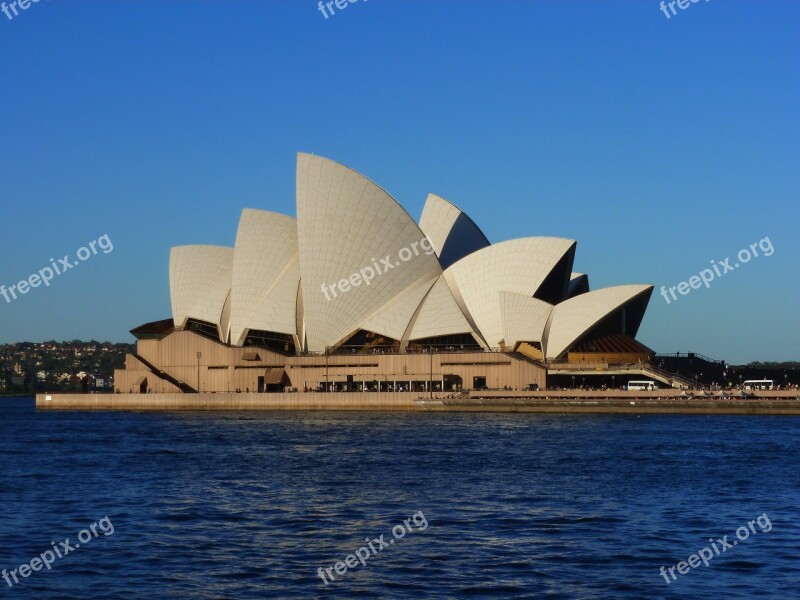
(641, 385)
(759, 384)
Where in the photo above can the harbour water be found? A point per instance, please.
(256, 505)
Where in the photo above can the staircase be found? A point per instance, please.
(666, 377)
(185, 388)
(525, 358)
(607, 369)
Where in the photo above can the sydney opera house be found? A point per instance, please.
(353, 294)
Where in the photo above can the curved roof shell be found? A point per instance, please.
(573, 318)
(453, 234)
(200, 281)
(266, 274)
(520, 266)
(355, 260)
(524, 318)
(348, 227)
(393, 319)
(439, 315)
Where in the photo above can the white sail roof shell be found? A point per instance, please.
(519, 266)
(347, 225)
(200, 281)
(524, 318)
(349, 229)
(393, 319)
(573, 318)
(266, 274)
(439, 315)
(451, 232)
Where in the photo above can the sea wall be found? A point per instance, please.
(230, 401)
(610, 402)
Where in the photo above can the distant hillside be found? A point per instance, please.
(27, 367)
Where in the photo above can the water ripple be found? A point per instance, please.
(251, 505)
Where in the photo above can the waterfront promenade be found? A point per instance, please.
(565, 401)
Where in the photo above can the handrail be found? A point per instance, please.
(693, 354)
(623, 367)
(668, 374)
(387, 351)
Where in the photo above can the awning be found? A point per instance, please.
(274, 376)
(141, 380)
(154, 330)
(250, 355)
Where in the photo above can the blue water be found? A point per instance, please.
(251, 505)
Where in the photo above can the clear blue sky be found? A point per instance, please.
(659, 144)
